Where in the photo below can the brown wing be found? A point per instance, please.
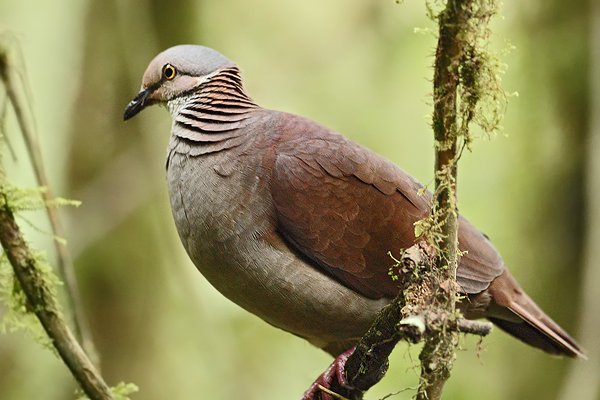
(344, 207)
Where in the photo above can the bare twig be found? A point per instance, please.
(11, 80)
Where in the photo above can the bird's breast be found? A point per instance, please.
(217, 198)
(226, 224)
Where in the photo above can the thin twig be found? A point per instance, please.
(10, 79)
(473, 327)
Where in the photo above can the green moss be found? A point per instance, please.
(30, 199)
(19, 314)
(120, 392)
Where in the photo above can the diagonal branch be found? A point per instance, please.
(41, 300)
(10, 78)
(408, 317)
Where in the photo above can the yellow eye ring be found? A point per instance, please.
(169, 72)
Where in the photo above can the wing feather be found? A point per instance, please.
(345, 208)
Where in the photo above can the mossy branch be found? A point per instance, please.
(466, 90)
(42, 301)
(33, 283)
(408, 317)
(461, 79)
(11, 80)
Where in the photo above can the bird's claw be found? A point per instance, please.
(325, 380)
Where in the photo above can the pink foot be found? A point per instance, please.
(335, 370)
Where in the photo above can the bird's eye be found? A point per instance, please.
(169, 72)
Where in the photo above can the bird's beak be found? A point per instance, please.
(137, 104)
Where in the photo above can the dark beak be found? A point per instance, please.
(136, 105)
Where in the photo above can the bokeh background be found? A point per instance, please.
(362, 67)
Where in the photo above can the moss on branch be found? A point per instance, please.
(409, 317)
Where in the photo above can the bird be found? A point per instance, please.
(293, 221)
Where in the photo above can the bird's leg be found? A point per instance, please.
(334, 371)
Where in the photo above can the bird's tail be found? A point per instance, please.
(527, 322)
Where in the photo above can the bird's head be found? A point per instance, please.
(174, 73)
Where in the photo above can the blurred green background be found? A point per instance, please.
(355, 66)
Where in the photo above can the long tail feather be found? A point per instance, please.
(528, 322)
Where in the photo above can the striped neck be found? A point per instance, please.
(211, 115)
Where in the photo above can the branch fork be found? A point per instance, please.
(408, 317)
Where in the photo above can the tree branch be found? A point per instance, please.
(408, 317)
(438, 354)
(10, 78)
(40, 297)
(43, 303)
(463, 74)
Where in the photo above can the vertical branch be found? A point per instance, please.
(10, 80)
(437, 356)
(446, 135)
(425, 308)
(459, 67)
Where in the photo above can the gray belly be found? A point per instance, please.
(226, 224)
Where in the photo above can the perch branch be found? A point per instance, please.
(456, 92)
(425, 309)
(408, 317)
